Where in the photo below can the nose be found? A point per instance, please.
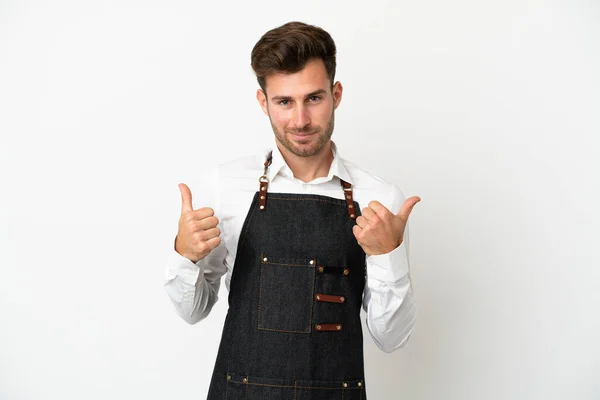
(301, 117)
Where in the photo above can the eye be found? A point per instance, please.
(315, 98)
(283, 102)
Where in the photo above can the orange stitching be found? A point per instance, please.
(290, 265)
(282, 330)
(308, 331)
(324, 201)
(259, 297)
(259, 302)
(312, 298)
(290, 386)
(247, 225)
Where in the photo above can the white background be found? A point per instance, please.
(488, 110)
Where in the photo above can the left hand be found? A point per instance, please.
(378, 230)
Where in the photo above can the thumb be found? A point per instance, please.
(407, 207)
(186, 198)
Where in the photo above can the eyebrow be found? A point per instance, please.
(316, 92)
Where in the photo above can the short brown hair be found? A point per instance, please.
(289, 47)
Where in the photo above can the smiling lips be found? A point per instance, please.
(302, 135)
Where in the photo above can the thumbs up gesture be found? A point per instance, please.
(198, 234)
(378, 230)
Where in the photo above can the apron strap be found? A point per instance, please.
(264, 184)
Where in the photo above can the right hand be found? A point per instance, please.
(198, 234)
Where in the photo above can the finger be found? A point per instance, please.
(407, 207)
(202, 213)
(208, 223)
(213, 243)
(361, 222)
(368, 213)
(186, 198)
(357, 231)
(211, 233)
(378, 208)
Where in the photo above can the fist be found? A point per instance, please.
(198, 234)
(378, 230)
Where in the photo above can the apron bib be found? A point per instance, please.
(293, 328)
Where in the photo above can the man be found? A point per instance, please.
(298, 260)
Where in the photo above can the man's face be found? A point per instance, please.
(301, 108)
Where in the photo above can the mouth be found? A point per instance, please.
(302, 135)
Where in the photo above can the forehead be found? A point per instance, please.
(309, 79)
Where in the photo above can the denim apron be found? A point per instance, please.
(293, 328)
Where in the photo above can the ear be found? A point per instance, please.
(262, 100)
(337, 94)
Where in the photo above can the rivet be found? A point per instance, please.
(346, 271)
(263, 188)
(359, 384)
(352, 215)
(321, 269)
(345, 384)
(265, 259)
(348, 197)
(339, 327)
(342, 299)
(262, 197)
(312, 262)
(245, 380)
(262, 207)
(228, 377)
(318, 297)
(318, 327)
(350, 206)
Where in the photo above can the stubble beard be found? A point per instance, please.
(322, 139)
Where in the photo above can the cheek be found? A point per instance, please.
(279, 119)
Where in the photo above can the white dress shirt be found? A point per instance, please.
(229, 189)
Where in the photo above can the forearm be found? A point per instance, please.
(391, 311)
(192, 291)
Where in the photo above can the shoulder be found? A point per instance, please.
(239, 175)
(369, 186)
(237, 165)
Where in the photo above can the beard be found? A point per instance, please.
(323, 136)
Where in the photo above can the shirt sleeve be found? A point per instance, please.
(388, 298)
(193, 287)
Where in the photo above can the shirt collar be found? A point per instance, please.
(279, 166)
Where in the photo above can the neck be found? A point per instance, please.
(308, 168)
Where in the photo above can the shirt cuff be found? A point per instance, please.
(389, 267)
(184, 268)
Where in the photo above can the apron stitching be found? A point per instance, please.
(286, 386)
(259, 293)
(283, 330)
(245, 230)
(308, 331)
(324, 201)
(287, 265)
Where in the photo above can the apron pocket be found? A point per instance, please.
(257, 388)
(285, 299)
